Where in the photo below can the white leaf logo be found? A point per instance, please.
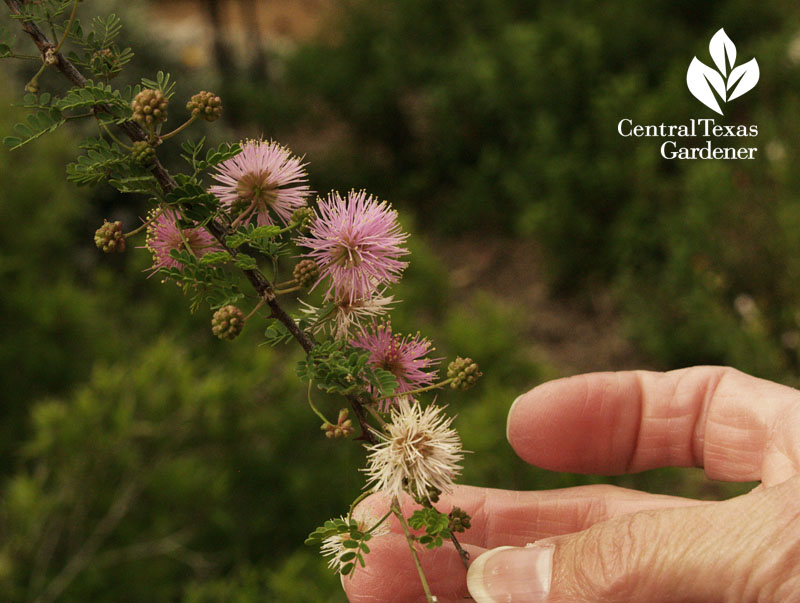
(727, 81)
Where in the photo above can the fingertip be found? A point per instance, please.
(510, 420)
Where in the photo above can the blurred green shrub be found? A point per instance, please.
(502, 116)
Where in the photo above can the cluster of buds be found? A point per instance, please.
(227, 322)
(109, 237)
(104, 63)
(342, 429)
(463, 372)
(142, 153)
(205, 105)
(306, 272)
(302, 218)
(459, 520)
(150, 107)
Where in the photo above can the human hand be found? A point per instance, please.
(613, 544)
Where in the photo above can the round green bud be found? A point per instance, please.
(205, 105)
(109, 237)
(463, 372)
(150, 107)
(142, 153)
(303, 218)
(306, 272)
(227, 322)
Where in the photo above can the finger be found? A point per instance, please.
(738, 427)
(743, 549)
(505, 517)
(391, 576)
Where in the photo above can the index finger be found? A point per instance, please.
(737, 427)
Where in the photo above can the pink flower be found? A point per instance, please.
(356, 242)
(403, 356)
(263, 176)
(163, 235)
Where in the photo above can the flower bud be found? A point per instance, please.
(142, 153)
(150, 107)
(205, 105)
(227, 322)
(463, 372)
(459, 520)
(104, 63)
(342, 429)
(109, 237)
(303, 218)
(306, 272)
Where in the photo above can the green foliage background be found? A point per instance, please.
(143, 460)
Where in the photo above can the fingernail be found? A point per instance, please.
(511, 410)
(512, 574)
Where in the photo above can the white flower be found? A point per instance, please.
(419, 454)
(346, 315)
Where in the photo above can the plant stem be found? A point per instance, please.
(244, 214)
(114, 138)
(144, 225)
(314, 408)
(180, 128)
(68, 26)
(284, 291)
(376, 414)
(254, 310)
(417, 391)
(410, 540)
(358, 499)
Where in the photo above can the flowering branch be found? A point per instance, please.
(355, 250)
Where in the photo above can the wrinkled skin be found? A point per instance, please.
(614, 544)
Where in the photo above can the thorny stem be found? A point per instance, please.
(410, 539)
(47, 56)
(461, 552)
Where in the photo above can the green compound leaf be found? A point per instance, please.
(216, 257)
(197, 204)
(103, 161)
(334, 366)
(435, 524)
(33, 127)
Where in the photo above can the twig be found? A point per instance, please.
(410, 539)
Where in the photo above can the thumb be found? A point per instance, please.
(744, 549)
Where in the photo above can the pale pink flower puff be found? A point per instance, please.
(403, 356)
(164, 235)
(264, 176)
(356, 241)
